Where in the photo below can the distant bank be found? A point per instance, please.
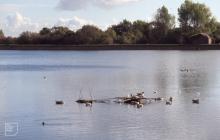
(112, 47)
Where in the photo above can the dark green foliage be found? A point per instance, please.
(89, 34)
(57, 35)
(1, 34)
(193, 18)
(163, 23)
(28, 38)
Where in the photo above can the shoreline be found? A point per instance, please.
(111, 47)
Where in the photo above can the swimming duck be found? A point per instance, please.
(43, 123)
(59, 102)
(139, 105)
(195, 101)
(171, 99)
(88, 104)
(140, 95)
(168, 103)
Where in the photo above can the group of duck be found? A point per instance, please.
(138, 100)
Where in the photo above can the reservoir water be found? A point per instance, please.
(31, 82)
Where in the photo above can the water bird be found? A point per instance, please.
(59, 102)
(171, 99)
(184, 70)
(140, 95)
(88, 104)
(159, 99)
(198, 94)
(195, 101)
(168, 103)
(43, 123)
(139, 105)
(130, 95)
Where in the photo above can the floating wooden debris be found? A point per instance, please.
(59, 102)
(138, 100)
(81, 101)
(185, 70)
(88, 103)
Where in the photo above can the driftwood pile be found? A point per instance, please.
(138, 100)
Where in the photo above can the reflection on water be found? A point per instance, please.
(24, 67)
(32, 81)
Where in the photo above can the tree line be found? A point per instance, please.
(193, 18)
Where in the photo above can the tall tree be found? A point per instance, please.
(1, 34)
(163, 22)
(89, 34)
(141, 31)
(194, 17)
(28, 38)
(122, 27)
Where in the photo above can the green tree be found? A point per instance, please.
(45, 31)
(1, 34)
(57, 35)
(216, 33)
(195, 17)
(124, 32)
(62, 31)
(141, 31)
(163, 22)
(89, 34)
(108, 37)
(122, 27)
(28, 38)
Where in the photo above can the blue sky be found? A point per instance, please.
(17, 16)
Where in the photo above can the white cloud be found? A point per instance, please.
(8, 7)
(72, 4)
(73, 23)
(15, 24)
(80, 4)
(110, 3)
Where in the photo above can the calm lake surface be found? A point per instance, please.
(31, 81)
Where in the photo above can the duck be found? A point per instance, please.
(140, 95)
(171, 99)
(139, 105)
(43, 123)
(159, 99)
(168, 103)
(59, 102)
(88, 104)
(195, 101)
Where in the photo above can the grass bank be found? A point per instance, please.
(111, 47)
